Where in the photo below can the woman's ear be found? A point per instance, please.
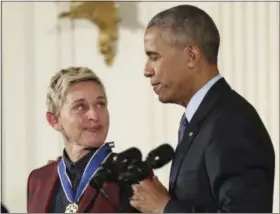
(53, 121)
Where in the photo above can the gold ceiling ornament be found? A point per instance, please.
(105, 16)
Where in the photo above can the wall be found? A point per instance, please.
(36, 45)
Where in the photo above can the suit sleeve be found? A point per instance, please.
(240, 166)
(175, 206)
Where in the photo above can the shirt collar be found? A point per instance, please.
(198, 97)
(80, 164)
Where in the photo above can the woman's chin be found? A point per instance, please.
(94, 144)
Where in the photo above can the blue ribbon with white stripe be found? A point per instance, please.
(95, 161)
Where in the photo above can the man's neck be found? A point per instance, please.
(203, 78)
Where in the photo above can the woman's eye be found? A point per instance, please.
(80, 107)
(101, 104)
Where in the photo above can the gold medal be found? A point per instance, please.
(71, 208)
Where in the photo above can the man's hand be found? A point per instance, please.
(52, 161)
(150, 196)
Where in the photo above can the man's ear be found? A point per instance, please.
(194, 54)
(53, 121)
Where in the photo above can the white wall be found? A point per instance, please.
(36, 45)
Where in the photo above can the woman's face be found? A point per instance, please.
(84, 117)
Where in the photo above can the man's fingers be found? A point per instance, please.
(137, 198)
(137, 203)
(145, 182)
(147, 185)
(50, 161)
(135, 188)
(53, 161)
(158, 184)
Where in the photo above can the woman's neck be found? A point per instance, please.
(75, 152)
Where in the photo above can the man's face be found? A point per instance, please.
(167, 67)
(84, 118)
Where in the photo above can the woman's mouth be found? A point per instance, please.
(94, 128)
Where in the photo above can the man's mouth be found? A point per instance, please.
(156, 88)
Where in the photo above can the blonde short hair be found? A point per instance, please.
(63, 80)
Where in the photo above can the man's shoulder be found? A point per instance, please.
(232, 105)
(234, 113)
(224, 103)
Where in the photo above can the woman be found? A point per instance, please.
(77, 108)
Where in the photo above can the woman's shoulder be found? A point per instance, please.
(44, 171)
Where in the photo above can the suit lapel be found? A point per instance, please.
(192, 130)
(88, 198)
(90, 202)
(47, 187)
(45, 198)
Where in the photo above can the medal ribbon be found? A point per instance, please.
(95, 161)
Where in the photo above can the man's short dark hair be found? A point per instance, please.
(187, 23)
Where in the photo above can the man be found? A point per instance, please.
(224, 161)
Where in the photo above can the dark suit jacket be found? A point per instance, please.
(41, 184)
(225, 162)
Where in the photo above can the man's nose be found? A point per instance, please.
(149, 71)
